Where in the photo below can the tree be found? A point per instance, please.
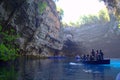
(88, 19)
(60, 12)
(103, 15)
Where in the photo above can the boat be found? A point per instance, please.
(105, 61)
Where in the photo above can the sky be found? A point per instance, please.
(73, 9)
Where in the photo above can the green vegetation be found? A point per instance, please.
(8, 74)
(42, 7)
(8, 49)
(102, 16)
(61, 12)
(119, 25)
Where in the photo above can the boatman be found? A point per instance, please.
(101, 54)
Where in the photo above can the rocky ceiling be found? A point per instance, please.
(113, 7)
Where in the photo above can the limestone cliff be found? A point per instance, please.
(113, 7)
(38, 25)
(103, 35)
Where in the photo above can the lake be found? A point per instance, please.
(58, 69)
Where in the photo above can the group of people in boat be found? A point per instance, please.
(94, 56)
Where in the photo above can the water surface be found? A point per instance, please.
(58, 69)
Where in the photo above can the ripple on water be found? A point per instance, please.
(72, 63)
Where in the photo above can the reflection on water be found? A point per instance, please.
(97, 71)
(8, 73)
(65, 69)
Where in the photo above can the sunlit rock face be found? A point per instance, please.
(39, 30)
(113, 6)
(72, 47)
(104, 36)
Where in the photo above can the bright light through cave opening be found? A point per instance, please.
(73, 9)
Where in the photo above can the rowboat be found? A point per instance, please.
(105, 61)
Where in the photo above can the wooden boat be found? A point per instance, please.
(105, 61)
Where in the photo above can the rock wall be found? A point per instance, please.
(39, 30)
(105, 35)
(113, 7)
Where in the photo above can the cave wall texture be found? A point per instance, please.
(104, 35)
(39, 27)
(37, 22)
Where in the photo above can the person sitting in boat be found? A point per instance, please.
(84, 57)
(77, 57)
(97, 55)
(91, 57)
(101, 55)
(93, 54)
(87, 57)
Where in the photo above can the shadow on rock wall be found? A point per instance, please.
(72, 48)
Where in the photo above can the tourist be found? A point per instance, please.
(87, 57)
(91, 58)
(84, 57)
(101, 54)
(96, 55)
(93, 53)
(77, 57)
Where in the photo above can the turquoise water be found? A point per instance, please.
(58, 69)
(99, 72)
